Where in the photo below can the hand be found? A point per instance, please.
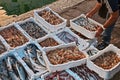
(89, 15)
(99, 31)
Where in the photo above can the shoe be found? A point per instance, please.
(101, 45)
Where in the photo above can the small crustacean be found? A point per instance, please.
(67, 37)
(13, 36)
(107, 60)
(63, 55)
(50, 17)
(31, 58)
(33, 29)
(48, 42)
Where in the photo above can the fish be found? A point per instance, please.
(27, 61)
(33, 29)
(12, 74)
(3, 71)
(21, 72)
(92, 52)
(33, 56)
(40, 58)
(67, 37)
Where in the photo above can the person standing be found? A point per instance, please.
(113, 8)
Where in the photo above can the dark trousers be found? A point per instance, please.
(107, 34)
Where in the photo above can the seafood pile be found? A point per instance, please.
(79, 34)
(11, 69)
(50, 17)
(82, 21)
(33, 58)
(33, 29)
(61, 75)
(91, 52)
(2, 48)
(107, 60)
(3, 71)
(85, 74)
(67, 37)
(13, 36)
(64, 55)
(48, 42)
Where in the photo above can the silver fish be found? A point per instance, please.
(92, 52)
(3, 71)
(27, 61)
(21, 72)
(12, 74)
(32, 53)
(40, 58)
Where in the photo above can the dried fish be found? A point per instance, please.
(85, 74)
(50, 17)
(67, 37)
(33, 29)
(13, 36)
(61, 75)
(48, 42)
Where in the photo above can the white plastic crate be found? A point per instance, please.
(82, 30)
(4, 55)
(4, 43)
(68, 71)
(12, 53)
(109, 73)
(52, 36)
(31, 74)
(20, 54)
(32, 20)
(81, 42)
(10, 25)
(59, 67)
(47, 25)
(27, 69)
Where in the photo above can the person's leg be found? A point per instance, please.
(106, 37)
(107, 34)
